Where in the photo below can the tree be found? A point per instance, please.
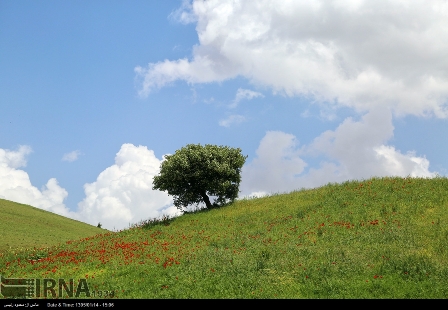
(194, 172)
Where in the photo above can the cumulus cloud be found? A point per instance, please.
(360, 148)
(14, 159)
(244, 94)
(380, 59)
(184, 13)
(15, 184)
(403, 165)
(354, 150)
(232, 119)
(72, 156)
(358, 54)
(122, 194)
(275, 167)
(253, 195)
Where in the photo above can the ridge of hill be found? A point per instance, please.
(24, 226)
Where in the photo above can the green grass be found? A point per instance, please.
(376, 238)
(23, 226)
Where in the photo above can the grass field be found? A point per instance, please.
(24, 226)
(376, 238)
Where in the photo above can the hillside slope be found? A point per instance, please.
(24, 226)
(376, 238)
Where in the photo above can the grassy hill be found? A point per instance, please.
(377, 238)
(24, 226)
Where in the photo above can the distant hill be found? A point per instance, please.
(24, 226)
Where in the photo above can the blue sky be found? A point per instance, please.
(94, 93)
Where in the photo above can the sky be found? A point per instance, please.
(94, 93)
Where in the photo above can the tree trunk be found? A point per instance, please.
(206, 200)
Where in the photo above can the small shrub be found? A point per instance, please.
(146, 224)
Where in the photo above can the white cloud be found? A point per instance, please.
(403, 165)
(72, 156)
(253, 195)
(122, 193)
(379, 58)
(354, 150)
(183, 14)
(232, 119)
(246, 94)
(360, 148)
(359, 54)
(275, 167)
(14, 159)
(15, 185)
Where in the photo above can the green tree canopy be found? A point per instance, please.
(195, 172)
